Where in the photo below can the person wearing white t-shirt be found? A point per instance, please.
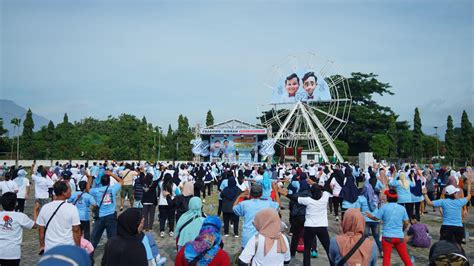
(42, 184)
(11, 229)
(8, 185)
(63, 218)
(316, 218)
(23, 184)
(268, 225)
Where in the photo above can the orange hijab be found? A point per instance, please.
(353, 226)
(268, 224)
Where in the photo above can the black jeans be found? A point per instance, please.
(86, 229)
(297, 229)
(208, 186)
(108, 223)
(337, 203)
(417, 211)
(228, 217)
(219, 208)
(20, 205)
(309, 235)
(10, 262)
(166, 213)
(446, 232)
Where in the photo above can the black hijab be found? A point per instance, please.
(126, 248)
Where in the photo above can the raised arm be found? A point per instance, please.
(427, 199)
(244, 194)
(277, 195)
(116, 177)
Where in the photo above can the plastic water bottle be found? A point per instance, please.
(412, 260)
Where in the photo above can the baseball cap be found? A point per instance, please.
(451, 189)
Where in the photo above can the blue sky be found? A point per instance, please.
(163, 58)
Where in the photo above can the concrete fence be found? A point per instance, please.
(28, 163)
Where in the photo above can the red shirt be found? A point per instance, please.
(221, 259)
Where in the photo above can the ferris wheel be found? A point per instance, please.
(310, 103)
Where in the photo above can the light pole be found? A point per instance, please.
(437, 142)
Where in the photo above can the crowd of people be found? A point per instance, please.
(75, 204)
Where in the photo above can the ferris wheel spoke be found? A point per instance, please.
(327, 114)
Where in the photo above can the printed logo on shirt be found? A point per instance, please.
(107, 199)
(8, 223)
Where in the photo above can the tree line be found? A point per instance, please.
(371, 127)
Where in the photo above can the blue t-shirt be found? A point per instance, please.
(83, 204)
(108, 204)
(393, 215)
(404, 194)
(248, 209)
(452, 210)
(364, 207)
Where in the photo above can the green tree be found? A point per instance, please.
(27, 136)
(417, 136)
(169, 151)
(209, 119)
(381, 145)
(50, 138)
(367, 116)
(4, 141)
(465, 138)
(341, 146)
(184, 136)
(450, 140)
(429, 146)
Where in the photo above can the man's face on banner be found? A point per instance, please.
(217, 145)
(226, 143)
(292, 86)
(309, 85)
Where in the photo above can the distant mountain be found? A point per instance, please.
(9, 110)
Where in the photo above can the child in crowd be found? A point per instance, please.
(86, 244)
(420, 234)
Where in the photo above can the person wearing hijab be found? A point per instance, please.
(368, 201)
(269, 246)
(352, 231)
(205, 250)
(416, 195)
(149, 201)
(181, 201)
(23, 184)
(297, 213)
(189, 224)
(229, 195)
(316, 218)
(402, 185)
(349, 192)
(126, 248)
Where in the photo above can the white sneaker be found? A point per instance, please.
(236, 236)
(231, 225)
(226, 235)
(203, 200)
(162, 234)
(337, 218)
(171, 234)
